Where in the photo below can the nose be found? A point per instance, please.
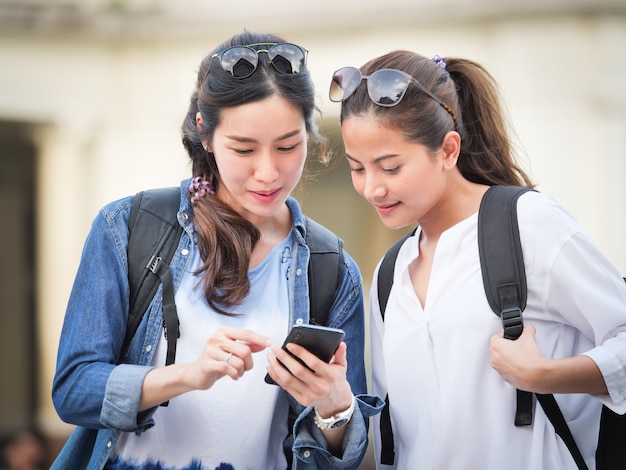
(373, 187)
(266, 168)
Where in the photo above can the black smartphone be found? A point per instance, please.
(319, 340)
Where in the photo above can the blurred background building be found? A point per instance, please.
(93, 92)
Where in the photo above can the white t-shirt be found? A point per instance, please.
(235, 424)
(450, 410)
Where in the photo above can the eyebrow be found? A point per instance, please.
(377, 159)
(247, 139)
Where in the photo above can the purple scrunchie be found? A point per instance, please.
(199, 188)
(439, 61)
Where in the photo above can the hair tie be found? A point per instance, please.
(199, 188)
(439, 61)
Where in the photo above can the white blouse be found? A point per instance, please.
(449, 408)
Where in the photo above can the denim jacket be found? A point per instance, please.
(98, 389)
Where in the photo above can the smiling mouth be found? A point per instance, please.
(266, 193)
(386, 206)
(384, 209)
(266, 196)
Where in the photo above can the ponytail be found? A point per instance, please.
(486, 152)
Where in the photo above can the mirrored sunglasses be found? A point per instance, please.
(242, 61)
(385, 87)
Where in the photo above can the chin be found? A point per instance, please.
(395, 224)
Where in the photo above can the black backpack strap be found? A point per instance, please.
(387, 444)
(611, 451)
(154, 234)
(385, 281)
(325, 269)
(385, 272)
(504, 278)
(554, 414)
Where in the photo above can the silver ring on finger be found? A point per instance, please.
(228, 357)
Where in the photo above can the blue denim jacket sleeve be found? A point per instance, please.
(89, 388)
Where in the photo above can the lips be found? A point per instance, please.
(265, 196)
(384, 209)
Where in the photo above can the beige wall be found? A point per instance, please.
(108, 111)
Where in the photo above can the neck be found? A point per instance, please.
(273, 231)
(458, 203)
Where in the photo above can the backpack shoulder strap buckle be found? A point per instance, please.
(154, 263)
(512, 322)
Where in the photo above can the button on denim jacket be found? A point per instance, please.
(98, 389)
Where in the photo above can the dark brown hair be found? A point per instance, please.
(486, 155)
(225, 238)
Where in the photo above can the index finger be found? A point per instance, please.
(252, 338)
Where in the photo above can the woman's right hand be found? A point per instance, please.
(227, 352)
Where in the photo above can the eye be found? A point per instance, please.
(391, 171)
(356, 169)
(289, 148)
(242, 151)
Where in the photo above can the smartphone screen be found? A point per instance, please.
(319, 340)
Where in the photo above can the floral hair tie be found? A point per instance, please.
(199, 188)
(439, 61)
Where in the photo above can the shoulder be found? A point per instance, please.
(114, 215)
(542, 215)
(157, 198)
(548, 231)
(117, 213)
(118, 208)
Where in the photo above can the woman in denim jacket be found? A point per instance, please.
(240, 279)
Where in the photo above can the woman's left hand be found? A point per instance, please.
(324, 385)
(517, 361)
(521, 363)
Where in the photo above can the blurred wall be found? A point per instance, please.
(101, 92)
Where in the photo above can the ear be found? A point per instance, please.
(451, 147)
(199, 125)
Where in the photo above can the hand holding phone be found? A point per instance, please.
(321, 341)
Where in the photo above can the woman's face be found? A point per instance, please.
(403, 180)
(260, 149)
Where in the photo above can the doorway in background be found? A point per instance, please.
(18, 344)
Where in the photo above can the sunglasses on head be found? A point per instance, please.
(242, 61)
(385, 87)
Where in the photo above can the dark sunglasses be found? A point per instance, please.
(242, 61)
(385, 87)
